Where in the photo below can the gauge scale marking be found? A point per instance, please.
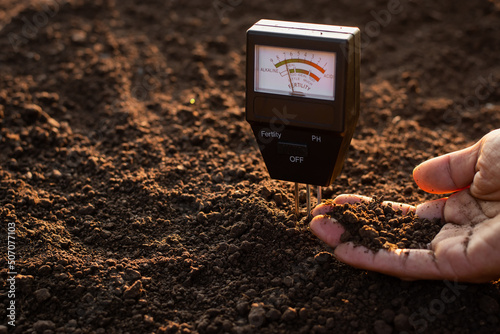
(288, 71)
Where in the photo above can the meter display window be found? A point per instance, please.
(296, 72)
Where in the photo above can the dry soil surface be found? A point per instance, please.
(133, 197)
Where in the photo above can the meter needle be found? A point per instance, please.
(289, 77)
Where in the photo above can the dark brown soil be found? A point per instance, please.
(139, 199)
(376, 225)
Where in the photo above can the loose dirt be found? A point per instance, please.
(377, 225)
(137, 193)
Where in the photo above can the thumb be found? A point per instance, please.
(448, 173)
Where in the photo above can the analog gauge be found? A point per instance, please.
(297, 72)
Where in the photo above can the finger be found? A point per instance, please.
(448, 173)
(324, 208)
(405, 208)
(351, 199)
(431, 209)
(327, 229)
(486, 183)
(447, 262)
(403, 263)
(321, 209)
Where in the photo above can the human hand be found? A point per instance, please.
(468, 246)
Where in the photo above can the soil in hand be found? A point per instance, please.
(378, 225)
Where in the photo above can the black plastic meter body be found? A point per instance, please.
(302, 97)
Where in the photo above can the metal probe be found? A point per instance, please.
(296, 199)
(308, 191)
(318, 195)
(308, 198)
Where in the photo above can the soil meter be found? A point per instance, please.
(302, 98)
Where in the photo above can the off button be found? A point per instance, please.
(292, 149)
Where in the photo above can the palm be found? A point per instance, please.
(467, 246)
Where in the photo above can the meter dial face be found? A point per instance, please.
(297, 72)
